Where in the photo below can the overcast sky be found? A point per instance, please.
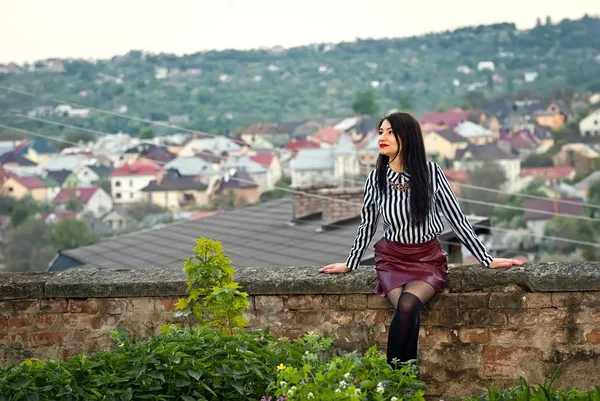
(37, 29)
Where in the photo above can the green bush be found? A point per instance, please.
(544, 392)
(202, 364)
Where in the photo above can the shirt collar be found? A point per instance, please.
(394, 176)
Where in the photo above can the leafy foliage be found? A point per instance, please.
(544, 392)
(348, 377)
(69, 233)
(213, 297)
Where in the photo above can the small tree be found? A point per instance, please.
(213, 297)
(146, 133)
(365, 103)
(71, 233)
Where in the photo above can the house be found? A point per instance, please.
(135, 152)
(275, 134)
(538, 212)
(474, 157)
(578, 155)
(474, 133)
(219, 145)
(192, 166)
(485, 66)
(368, 152)
(94, 199)
(246, 234)
(160, 155)
(521, 142)
(52, 187)
(65, 162)
(590, 125)
(39, 151)
(96, 225)
(306, 129)
(552, 115)
(89, 176)
(447, 120)
(175, 192)
(239, 185)
(444, 143)
(261, 176)
(346, 163)
(128, 180)
(327, 136)
(118, 219)
(15, 159)
(296, 145)
(21, 186)
(64, 178)
(270, 161)
(551, 175)
(312, 167)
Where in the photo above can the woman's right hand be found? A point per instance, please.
(335, 268)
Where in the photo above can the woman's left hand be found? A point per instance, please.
(499, 262)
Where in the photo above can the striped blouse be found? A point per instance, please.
(394, 208)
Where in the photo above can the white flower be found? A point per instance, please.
(394, 399)
(343, 384)
(310, 395)
(380, 388)
(282, 384)
(347, 376)
(357, 391)
(307, 353)
(290, 392)
(337, 390)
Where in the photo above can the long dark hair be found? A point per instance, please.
(412, 151)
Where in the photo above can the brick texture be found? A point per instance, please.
(467, 340)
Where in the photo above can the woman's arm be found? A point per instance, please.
(369, 217)
(446, 200)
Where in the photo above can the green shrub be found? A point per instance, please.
(202, 364)
(543, 392)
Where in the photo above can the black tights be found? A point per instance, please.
(404, 330)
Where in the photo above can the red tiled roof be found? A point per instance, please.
(139, 167)
(551, 173)
(83, 194)
(449, 119)
(296, 144)
(264, 159)
(29, 182)
(328, 135)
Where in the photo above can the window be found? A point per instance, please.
(131, 183)
(117, 183)
(118, 195)
(131, 195)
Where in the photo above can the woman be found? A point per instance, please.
(410, 262)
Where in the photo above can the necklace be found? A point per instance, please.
(401, 186)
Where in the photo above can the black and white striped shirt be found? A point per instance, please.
(394, 207)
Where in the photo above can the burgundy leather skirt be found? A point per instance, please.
(397, 264)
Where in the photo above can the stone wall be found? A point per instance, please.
(488, 326)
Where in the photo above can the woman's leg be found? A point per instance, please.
(404, 330)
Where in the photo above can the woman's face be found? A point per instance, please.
(388, 145)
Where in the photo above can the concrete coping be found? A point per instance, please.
(88, 282)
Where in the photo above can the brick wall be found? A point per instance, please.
(342, 204)
(307, 205)
(487, 327)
